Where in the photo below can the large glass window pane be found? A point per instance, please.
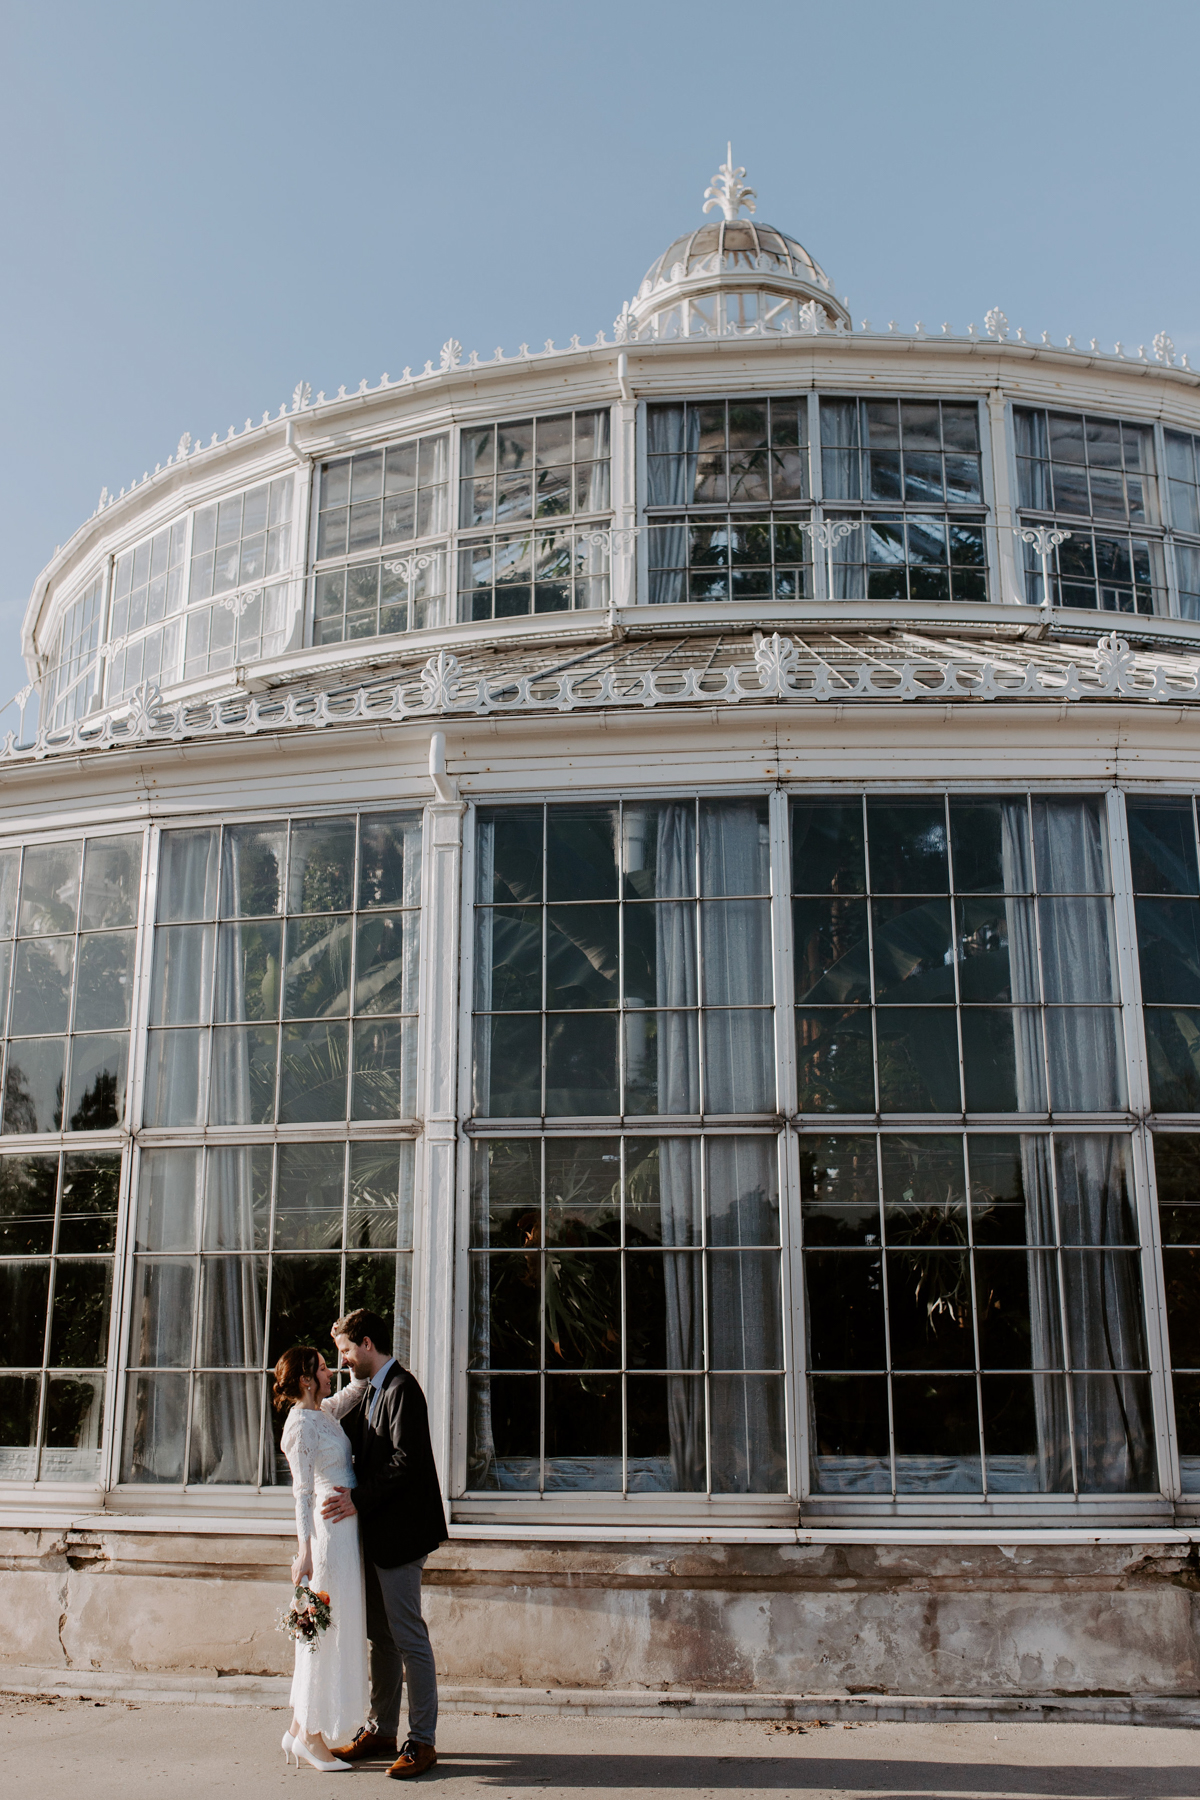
(161, 1313)
(314, 1064)
(33, 1085)
(155, 1428)
(79, 1321)
(28, 1188)
(49, 889)
(104, 980)
(96, 1091)
(24, 1294)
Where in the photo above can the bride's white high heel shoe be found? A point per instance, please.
(292, 1746)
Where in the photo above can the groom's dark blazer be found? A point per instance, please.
(398, 1498)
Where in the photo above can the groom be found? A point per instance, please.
(399, 1505)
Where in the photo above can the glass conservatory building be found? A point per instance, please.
(670, 868)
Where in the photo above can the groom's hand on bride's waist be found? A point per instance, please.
(339, 1505)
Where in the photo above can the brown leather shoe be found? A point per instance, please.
(413, 1759)
(368, 1746)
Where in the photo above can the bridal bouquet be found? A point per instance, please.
(308, 1616)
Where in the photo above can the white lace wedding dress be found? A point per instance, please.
(329, 1687)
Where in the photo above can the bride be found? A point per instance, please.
(329, 1687)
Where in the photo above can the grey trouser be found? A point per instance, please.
(399, 1646)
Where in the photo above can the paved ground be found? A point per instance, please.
(115, 1751)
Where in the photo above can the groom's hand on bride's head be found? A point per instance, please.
(338, 1506)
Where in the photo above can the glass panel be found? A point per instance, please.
(742, 1193)
(110, 882)
(252, 860)
(583, 1432)
(581, 1064)
(845, 1309)
(28, 1187)
(1169, 950)
(155, 1426)
(242, 1088)
(739, 1061)
(850, 1434)
(42, 985)
(918, 1059)
(237, 1202)
(79, 1323)
(1162, 846)
(389, 860)
(581, 956)
(182, 980)
(104, 982)
(831, 950)
(835, 1055)
(749, 1439)
(662, 1062)
(581, 853)
(827, 848)
(24, 1292)
(314, 1063)
(306, 1297)
(176, 1075)
(96, 1094)
(735, 847)
(508, 1066)
(908, 846)
(161, 1313)
(321, 870)
(317, 970)
(33, 1085)
(74, 1424)
(510, 856)
(935, 1420)
(49, 889)
(188, 875)
(168, 1200)
(380, 1207)
(225, 1429)
(385, 1069)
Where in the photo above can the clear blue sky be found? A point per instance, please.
(203, 204)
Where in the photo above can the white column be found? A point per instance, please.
(1009, 576)
(434, 1236)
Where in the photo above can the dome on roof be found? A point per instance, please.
(734, 245)
(732, 276)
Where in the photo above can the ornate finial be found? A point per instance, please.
(728, 191)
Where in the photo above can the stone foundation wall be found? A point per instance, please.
(823, 1618)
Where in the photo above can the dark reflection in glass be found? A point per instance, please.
(665, 1431)
(317, 968)
(385, 1069)
(990, 841)
(832, 956)
(908, 846)
(582, 1305)
(998, 1166)
(936, 1424)
(1173, 1049)
(321, 866)
(924, 1190)
(509, 958)
(845, 1309)
(581, 956)
(1004, 1281)
(836, 1071)
(248, 965)
(827, 848)
(583, 1431)
(306, 1296)
(840, 1192)
(506, 1299)
(510, 856)
(1177, 1180)
(581, 859)
(1181, 1283)
(997, 950)
(386, 967)
(918, 1059)
(79, 1326)
(913, 947)
(508, 1072)
(1169, 950)
(1162, 846)
(314, 1064)
(96, 1096)
(308, 1198)
(24, 1290)
(850, 1434)
(504, 1432)
(929, 1306)
(583, 1191)
(1114, 1433)
(581, 1065)
(28, 1187)
(1003, 1064)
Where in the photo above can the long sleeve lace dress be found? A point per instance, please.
(329, 1687)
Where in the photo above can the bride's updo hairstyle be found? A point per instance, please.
(298, 1364)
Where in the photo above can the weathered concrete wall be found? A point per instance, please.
(958, 1619)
